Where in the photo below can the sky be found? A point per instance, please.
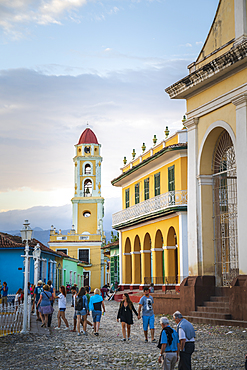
(66, 63)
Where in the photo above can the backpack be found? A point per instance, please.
(79, 304)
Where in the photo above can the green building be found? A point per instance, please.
(111, 256)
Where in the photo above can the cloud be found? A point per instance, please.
(42, 117)
(199, 42)
(19, 12)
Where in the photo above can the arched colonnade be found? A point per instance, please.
(151, 257)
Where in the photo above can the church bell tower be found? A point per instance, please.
(88, 205)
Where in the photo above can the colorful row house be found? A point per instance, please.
(152, 224)
(44, 265)
(111, 253)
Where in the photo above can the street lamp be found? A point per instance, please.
(26, 235)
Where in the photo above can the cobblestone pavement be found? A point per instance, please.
(216, 347)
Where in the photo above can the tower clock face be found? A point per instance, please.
(87, 149)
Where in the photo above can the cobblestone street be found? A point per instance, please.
(216, 347)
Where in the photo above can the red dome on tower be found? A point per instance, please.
(88, 137)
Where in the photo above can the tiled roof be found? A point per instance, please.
(113, 244)
(88, 137)
(14, 241)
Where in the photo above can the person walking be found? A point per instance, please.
(61, 308)
(53, 293)
(168, 345)
(88, 300)
(36, 296)
(146, 304)
(186, 335)
(44, 303)
(95, 305)
(81, 307)
(125, 315)
(4, 290)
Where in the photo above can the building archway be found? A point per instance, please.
(158, 259)
(218, 204)
(127, 263)
(225, 210)
(136, 261)
(146, 260)
(171, 257)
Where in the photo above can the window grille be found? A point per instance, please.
(137, 193)
(146, 189)
(225, 211)
(127, 198)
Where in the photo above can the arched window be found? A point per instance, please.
(87, 169)
(87, 188)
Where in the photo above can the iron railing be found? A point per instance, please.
(151, 206)
(11, 317)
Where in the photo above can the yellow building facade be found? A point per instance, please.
(85, 239)
(216, 94)
(152, 224)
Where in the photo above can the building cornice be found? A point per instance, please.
(149, 217)
(192, 123)
(240, 101)
(146, 161)
(181, 88)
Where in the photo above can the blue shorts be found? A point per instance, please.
(83, 312)
(148, 320)
(96, 316)
(62, 309)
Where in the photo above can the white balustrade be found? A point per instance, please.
(169, 200)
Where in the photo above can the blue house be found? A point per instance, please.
(12, 266)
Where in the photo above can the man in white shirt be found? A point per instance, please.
(186, 334)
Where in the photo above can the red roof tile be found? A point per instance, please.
(12, 241)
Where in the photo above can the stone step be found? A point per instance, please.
(219, 299)
(213, 315)
(215, 309)
(217, 304)
(211, 321)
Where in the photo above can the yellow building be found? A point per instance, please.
(216, 94)
(153, 222)
(85, 239)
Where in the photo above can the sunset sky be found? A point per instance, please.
(68, 62)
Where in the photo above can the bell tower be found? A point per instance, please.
(88, 205)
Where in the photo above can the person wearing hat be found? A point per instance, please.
(37, 291)
(168, 345)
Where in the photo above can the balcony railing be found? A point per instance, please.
(169, 200)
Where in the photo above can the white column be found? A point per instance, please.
(241, 155)
(194, 255)
(36, 271)
(240, 20)
(54, 274)
(202, 180)
(51, 270)
(120, 259)
(183, 245)
(75, 215)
